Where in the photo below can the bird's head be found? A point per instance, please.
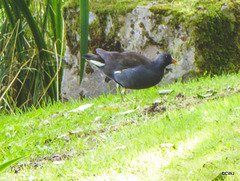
(166, 59)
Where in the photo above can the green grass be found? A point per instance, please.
(100, 143)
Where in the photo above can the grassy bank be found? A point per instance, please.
(192, 133)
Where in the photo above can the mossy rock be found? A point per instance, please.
(214, 24)
(217, 43)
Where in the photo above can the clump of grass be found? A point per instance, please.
(28, 73)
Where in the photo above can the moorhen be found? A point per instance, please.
(131, 70)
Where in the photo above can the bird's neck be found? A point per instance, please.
(160, 65)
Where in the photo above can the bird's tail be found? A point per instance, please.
(94, 59)
(91, 57)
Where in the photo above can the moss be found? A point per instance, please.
(71, 27)
(215, 37)
(97, 33)
(110, 6)
(161, 9)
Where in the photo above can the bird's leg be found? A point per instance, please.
(123, 93)
(119, 91)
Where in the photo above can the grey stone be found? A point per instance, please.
(140, 33)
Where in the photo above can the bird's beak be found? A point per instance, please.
(174, 62)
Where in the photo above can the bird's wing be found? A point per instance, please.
(123, 60)
(137, 78)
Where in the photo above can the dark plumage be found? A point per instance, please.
(131, 70)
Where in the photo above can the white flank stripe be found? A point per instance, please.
(99, 64)
(117, 72)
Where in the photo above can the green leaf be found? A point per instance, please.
(9, 163)
(9, 13)
(164, 92)
(84, 22)
(34, 28)
(14, 17)
(45, 16)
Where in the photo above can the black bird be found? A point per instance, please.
(131, 70)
